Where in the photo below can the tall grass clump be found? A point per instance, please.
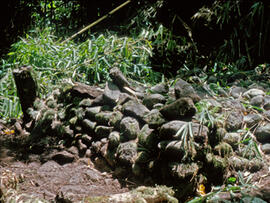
(88, 62)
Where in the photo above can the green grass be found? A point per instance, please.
(88, 62)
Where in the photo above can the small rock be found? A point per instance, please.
(252, 119)
(253, 93)
(158, 106)
(115, 119)
(135, 109)
(147, 137)
(150, 100)
(90, 112)
(237, 92)
(232, 138)
(129, 128)
(266, 148)
(154, 118)
(88, 153)
(118, 78)
(63, 157)
(88, 126)
(98, 101)
(234, 121)
(182, 108)
(123, 98)
(103, 117)
(266, 104)
(267, 114)
(81, 146)
(184, 89)
(73, 150)
(257, 101)
(161, 88)
(126, 153)
(114, 139)
(102, 131)
(183, 171)
(85, 103)
(111, 94)
(86, 139)
(262, 133)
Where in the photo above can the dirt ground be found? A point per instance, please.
(50, 180)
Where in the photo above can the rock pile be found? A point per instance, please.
(158, 135)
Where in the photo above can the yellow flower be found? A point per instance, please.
(9, 132)
(201, 190)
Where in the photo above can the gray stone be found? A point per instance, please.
(262, 133)
(123, 98)
(126, 153)
(150, 100)
(182, 108)
(114, 139)
(267, 114)
(118, 78)
(63, 157)
(86, 139)
(237, 92)
(266, 104)
(111, 94)
(91, 112)
(233, 104)
(257, 101)
(161, 88)
(158, 106)
(135, 109)
(253, 93)
(168, 131)
(252, 119)
(184, 89)
(183, 171)
(147, 137)
(234, 121)
(232, 139)
(154, 118)
(88, 126)
(103, 117)
(102, 131)
(266, 148)
(129, 128)
(86, 102)
(115, 119)
(81, 146)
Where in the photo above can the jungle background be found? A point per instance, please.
(217, 45)
(211, 39)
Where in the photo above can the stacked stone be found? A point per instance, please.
(145, 132)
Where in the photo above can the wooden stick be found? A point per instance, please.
(97, 21)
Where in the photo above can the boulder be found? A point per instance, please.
(266, 103)
(103, 117)
(161, 88)
(154, 118)
(234, 121)
(129, 128)
(169, 130)
(266, 148)
(183, 171)
(257, 101)
(252, 119)
(262, 133)
(111, 94)
(147, 138)
(232, 139)
(135, 109)
(88, 126)
(90, 112)
(86, 102)
(184, 89)
(102, 131)
(126, 153)
(63, 157)
(182, 108)
(115, 119)
(150, 100)
(114, 139)
(118, 78)
(253, 93)
(237, 92)
(84, 91)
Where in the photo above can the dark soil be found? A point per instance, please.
(30, 174)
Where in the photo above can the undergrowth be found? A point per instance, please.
(88, 62)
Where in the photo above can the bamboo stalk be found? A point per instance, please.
(97, 21)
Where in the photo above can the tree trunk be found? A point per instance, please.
(27, 89)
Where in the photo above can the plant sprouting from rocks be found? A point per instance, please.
(186, 136)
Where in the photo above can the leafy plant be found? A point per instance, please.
(88, 62)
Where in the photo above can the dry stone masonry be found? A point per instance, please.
(181, 140)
